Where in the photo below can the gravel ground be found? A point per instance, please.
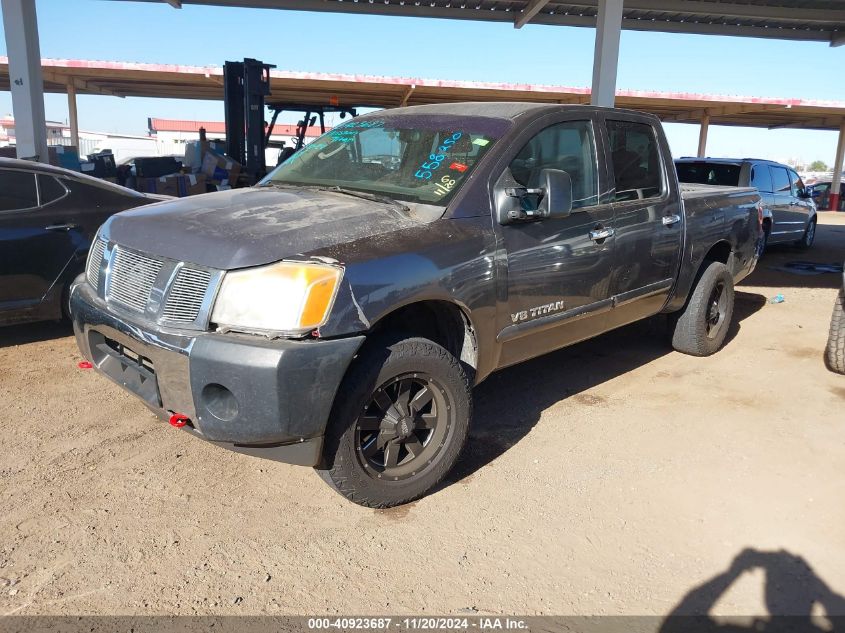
(614, 477)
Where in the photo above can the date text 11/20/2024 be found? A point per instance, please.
(480, 623)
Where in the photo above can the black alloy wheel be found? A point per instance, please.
(717, 310)
(403, 427)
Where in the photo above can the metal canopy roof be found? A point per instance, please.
(819, 20)
(124, 79)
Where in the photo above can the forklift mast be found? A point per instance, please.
(245, 85)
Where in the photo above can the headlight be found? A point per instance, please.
(288, 297)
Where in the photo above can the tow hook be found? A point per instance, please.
(179, 420)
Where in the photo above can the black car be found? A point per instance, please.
(48, 217)
(789, 213)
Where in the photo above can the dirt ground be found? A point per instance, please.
(614, 477)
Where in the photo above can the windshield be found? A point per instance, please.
(416, 158)
(703, 173)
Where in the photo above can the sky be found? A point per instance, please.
(434, 49)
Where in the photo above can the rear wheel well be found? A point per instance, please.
(719, 252)
(439, 321)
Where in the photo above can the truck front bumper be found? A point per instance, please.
(268, 398)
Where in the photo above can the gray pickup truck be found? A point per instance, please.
(338, 314)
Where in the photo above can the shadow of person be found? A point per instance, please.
(791, 591)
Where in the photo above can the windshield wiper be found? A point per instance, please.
(349, 192)
(365, 195)
(280, 185)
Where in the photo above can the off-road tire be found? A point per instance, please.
(834, 354)
(379, 362)
(690, 331)
(809, 236)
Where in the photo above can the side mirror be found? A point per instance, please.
(557, 194)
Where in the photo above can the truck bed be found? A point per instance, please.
(714, 213)
(691, 192)
(705, 200)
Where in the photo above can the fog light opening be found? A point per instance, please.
(220, 402)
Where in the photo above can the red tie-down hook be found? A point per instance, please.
(179, 420)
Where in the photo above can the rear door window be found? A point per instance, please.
(761, 178)
(637, 168)
(50, 189)
(17, 190)
(780, 180)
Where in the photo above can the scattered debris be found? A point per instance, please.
(237, 600)
(778, 298)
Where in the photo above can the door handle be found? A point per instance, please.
(669, 220)
(600, 234)
(61, 227)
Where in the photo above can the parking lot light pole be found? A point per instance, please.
(837, 170)
(25, 79)
(606, 56)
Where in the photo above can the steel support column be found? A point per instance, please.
(837, 170)
(606, 56)
(72, 116)
(702, 136)
(26, 83)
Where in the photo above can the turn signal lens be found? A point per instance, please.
(320, 284)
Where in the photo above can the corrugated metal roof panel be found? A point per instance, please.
(821, 20)
(316, 89)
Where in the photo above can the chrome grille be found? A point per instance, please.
(95, 259)
(186, 295)
(131, 279)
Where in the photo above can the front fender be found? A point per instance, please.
(451, 260)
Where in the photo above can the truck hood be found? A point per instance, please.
(255, 226)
